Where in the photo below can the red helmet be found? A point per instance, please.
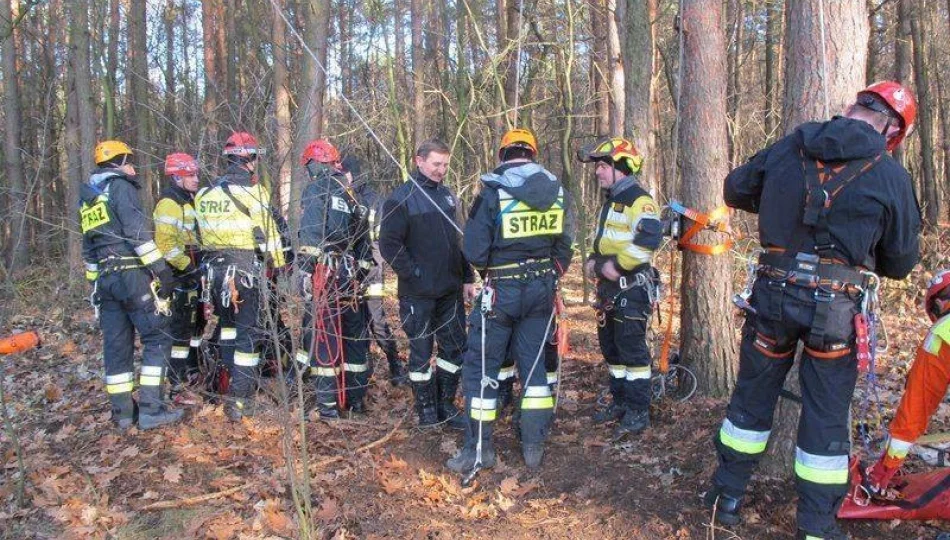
(180, 164)
(900, 100)
(935, 303)
(321, 151)
(241, 143)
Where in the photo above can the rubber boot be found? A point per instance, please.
(153, 412)
(726, 506)
(534, 427)
(464, 461)
(398, 375)
(237, 408)
(616, 409)
(425, 399)
(327, 411)
(124, 410)
(448, 384)
(533, 454)
(636, 418)
(632, 423)
(356, 406)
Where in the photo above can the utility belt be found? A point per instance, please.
(116, 263)
(644, 276)
(811, 272)
(525, 270)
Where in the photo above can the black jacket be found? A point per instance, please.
(874, 221)
(332, 220)
(124, 227)
(373, 203)
(522, 213)
(416, 240)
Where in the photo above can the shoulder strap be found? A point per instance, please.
(240, 206)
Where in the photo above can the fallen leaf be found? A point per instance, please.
(395, 463)
(509, 485)
(172, 474)
(52, 392)
(329, 510)
(391, 485)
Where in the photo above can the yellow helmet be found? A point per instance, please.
(519, 137)
(613, 150)
(107, 150)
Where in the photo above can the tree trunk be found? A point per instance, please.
(310, 111)
(139, 98)
(18, 246)
(112, 69)
(773, 61)
(211, 62)
(616, 73)
(80, 130)
(846, 34)
(416, 12)
(513, 20)
(925, 121)
(903, 61)
(943, 97)
(638, 82)
(172, 132)
(708, 340)
(282, 110)
(735, 16)
(599, 68)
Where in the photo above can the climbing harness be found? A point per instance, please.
(163, 306)
(741, 299)
(94, 299)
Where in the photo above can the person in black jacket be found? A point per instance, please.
(123, 262)
(518, 236)
(373, 293)
(419, 238)
(832, 205)
(333, 242)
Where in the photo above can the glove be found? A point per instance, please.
(879, 476)
(166, 281)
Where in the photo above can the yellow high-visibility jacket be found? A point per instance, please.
(176, 229)
(629, 227)
(241, 221)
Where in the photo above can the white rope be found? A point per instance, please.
(824, 56)
(359, 116)
(518, 59)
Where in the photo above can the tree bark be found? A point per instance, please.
(139, 98)
(80, 128)
(846, 35)
(599, 67)
(416, 12)
(925, 120)
(773, 63)
(211, 60)
(615, 65)
(282, 110)
(112, 69)
(708, 340)
(513, 33)
(638, 83)
(172, 131)
(18, 246)
(735, 16)
(903, 60)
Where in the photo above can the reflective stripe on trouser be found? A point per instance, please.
(182, 327)
(623, 344)
(127, 308)
(826, 385)
(427, 321)
(516, 328)
(240, 335)
(346, 327)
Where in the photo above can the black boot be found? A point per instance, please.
(398, 375)
(327, 411)
(426, 403)
(237, 408)
(464, 461)
(534, 427)
(726, 506)
(616, 409)
(124, 410)
(448, 384)
(532, 454)
(153, 412)
(357, 406)
(632, 423)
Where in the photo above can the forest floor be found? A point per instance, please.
(85, 479)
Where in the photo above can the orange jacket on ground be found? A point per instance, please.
(927, 383)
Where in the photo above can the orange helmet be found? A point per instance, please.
(321, 151)
(180, 164)
(241, 144)
(522, 138)
(897, 101)
(612, 150)
(935, 302)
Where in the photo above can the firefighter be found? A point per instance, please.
(131, 287)
(628, 232)
(176, 235)
(419, 240)
(374, 312)
(832, 204)
(518, 236)
(240, 241)
(334, 241)
(927, 384)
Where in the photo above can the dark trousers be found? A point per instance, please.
(377, 323)
(186, 326)
(622, 337)
(785, 316)
(239, 330)
(517, 327)
(426, 320)
(334, 346)
(126, 306)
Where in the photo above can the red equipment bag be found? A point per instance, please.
(923, 496)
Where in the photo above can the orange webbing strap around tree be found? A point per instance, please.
(717, 220)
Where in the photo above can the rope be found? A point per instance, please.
(360, 117)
